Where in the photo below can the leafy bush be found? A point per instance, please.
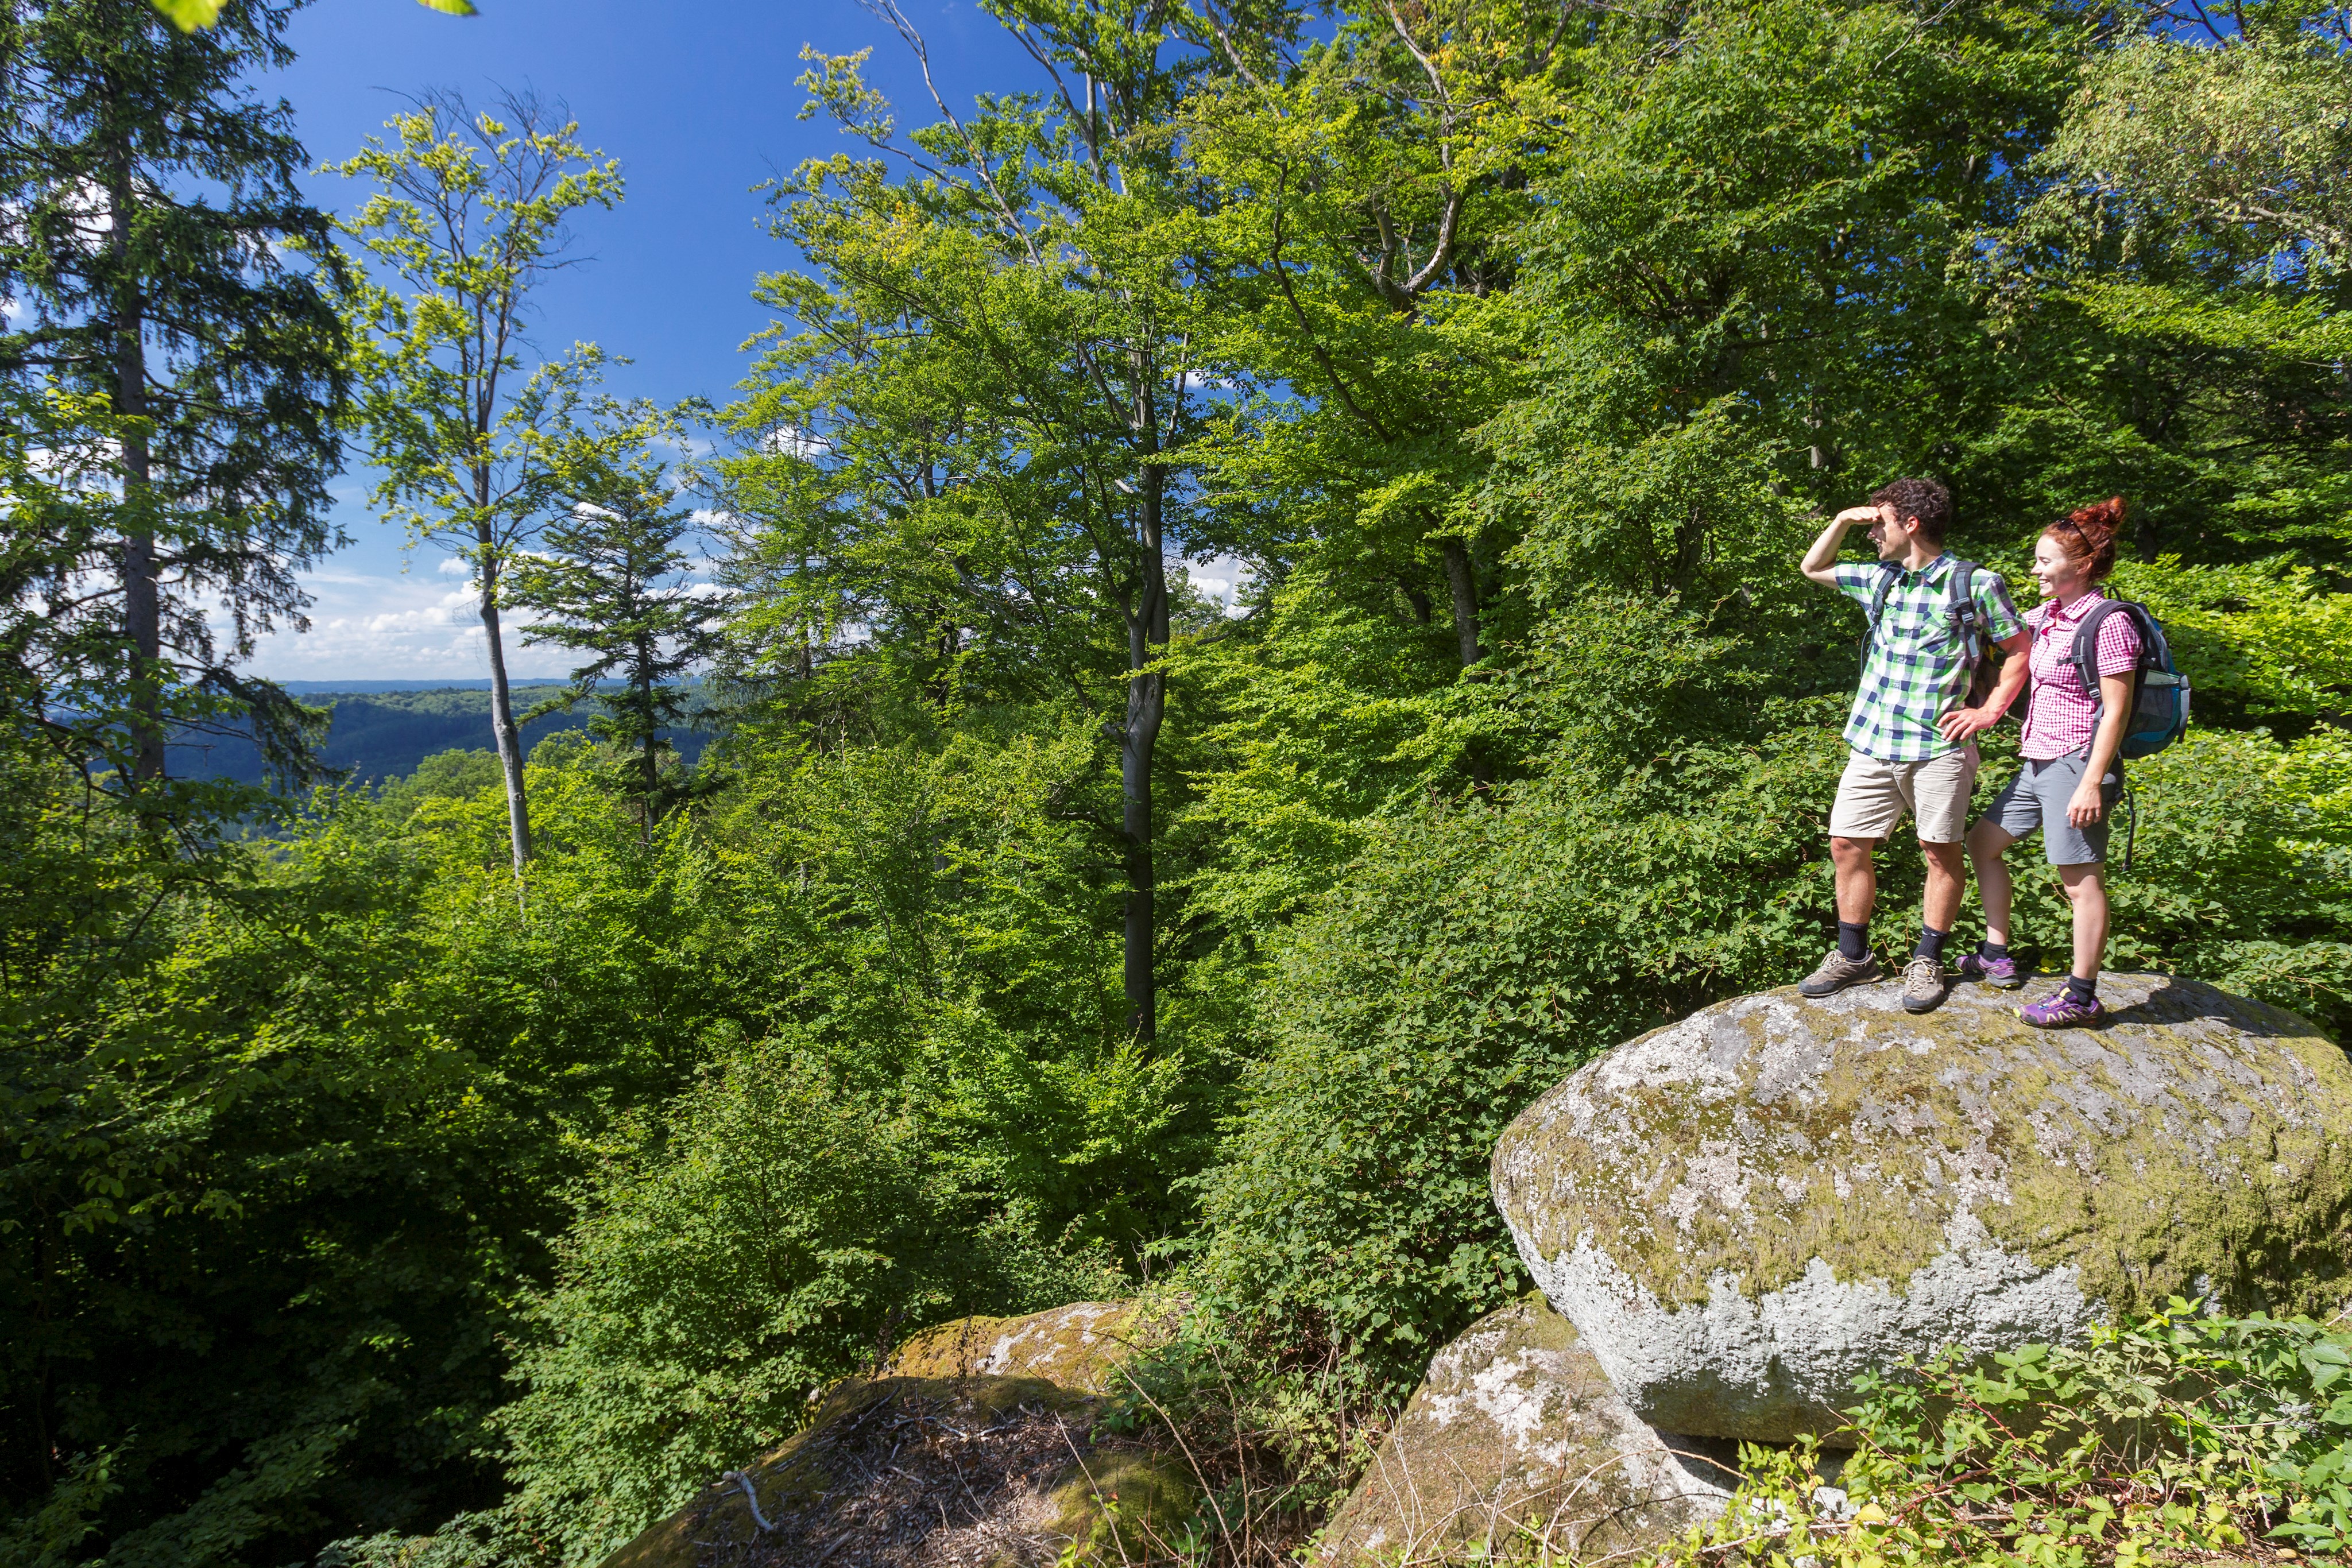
(1470, 963)
(774, 1234)
(2182, 1434)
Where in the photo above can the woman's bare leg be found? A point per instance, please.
(2086, 890)
(1987, 840)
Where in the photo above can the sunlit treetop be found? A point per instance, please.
(190, 15)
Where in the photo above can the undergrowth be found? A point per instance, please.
(2181, 1435)
(1274, 1439)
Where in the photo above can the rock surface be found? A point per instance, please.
(1515, 1434)
(975, 1445)
(1742, 1210)
(1078, 1346)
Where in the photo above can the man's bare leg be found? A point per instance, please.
(1857, 879)
(1857, 890)
(1948, 878)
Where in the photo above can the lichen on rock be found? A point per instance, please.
(1077, 1346)
(1744, 1209)
(1515, 1436)
(976, 1442)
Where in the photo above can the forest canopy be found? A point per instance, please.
(497, 1155)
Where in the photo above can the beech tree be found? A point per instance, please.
(973, 424)
(467, 223)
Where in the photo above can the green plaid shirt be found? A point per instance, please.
(1918, 671)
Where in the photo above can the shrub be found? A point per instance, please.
(2183, 1434)
(775, 1235)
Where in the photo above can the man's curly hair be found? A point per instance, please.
(1921, 498)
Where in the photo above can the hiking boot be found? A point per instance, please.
(1924, 985)
(2001, 974)
(2061, 1010)
(1837, 972)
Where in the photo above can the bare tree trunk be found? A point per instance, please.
(649, 744)
(502, 721)
(1460, 579)
(142, 610)
(1147, 702)
(1147, 705)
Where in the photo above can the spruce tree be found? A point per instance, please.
(613, 581)
(154, 246)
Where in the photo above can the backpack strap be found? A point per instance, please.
(1968, 615)
(2086, 651)
(1887, 572)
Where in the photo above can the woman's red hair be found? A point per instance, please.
(2088, 534)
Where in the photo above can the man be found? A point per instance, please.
(1911, 738)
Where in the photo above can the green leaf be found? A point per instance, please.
(189, 14)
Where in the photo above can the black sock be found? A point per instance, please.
(1993, 950)
(2081, 990)
(1931, 941)
(1853, 941)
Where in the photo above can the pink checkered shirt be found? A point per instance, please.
(2060, 717)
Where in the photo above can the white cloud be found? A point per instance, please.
(406, 627)
(792, 441)
(1221, 577)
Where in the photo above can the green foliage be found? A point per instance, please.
(2183, 1434)
(612, 582)
(443, 776)
(1036, 927)
(772, 1237)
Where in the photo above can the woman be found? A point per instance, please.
(2070, 777)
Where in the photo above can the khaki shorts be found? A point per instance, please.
(1874, 795)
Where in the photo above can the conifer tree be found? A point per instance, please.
(613, 579)
(154, 241)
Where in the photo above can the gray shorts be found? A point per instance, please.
(2037, 798)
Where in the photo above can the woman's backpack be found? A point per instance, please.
(2159, 711)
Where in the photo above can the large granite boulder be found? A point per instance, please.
(1516, 1436)
(979, 1441)
(1741, 1211)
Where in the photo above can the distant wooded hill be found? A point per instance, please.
(380, 734)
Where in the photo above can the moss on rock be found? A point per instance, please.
(964, 1448)
(1078, 1346)
(1745, 1209)
(1124, 1506)
(1516, 1434)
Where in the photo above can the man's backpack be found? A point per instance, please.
(2159, 711)
(1969, 625)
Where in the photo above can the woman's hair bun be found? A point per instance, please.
(2088, 534)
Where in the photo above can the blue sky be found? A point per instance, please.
(696, 99)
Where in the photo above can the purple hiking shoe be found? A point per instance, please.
(2060, 1010)
(2001, 974)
